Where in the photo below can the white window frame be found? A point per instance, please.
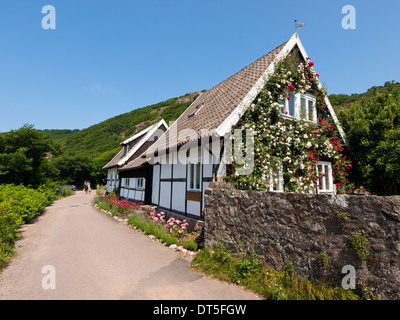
(296, 99)
(126, 182)
(192, 177)
(325, 167)
(140, 183)
(279, 172)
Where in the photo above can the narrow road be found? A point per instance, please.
(92, 256)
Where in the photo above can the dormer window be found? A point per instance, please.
(196, 110)
(299, 106)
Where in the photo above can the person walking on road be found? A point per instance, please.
(86, 188)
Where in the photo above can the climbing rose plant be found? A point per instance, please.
(297, 145)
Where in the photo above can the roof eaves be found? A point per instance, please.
(150, 132)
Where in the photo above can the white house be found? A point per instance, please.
(181, 164)
(132, 148)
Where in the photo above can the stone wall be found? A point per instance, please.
(303, 227)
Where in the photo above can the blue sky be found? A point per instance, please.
(109, 57)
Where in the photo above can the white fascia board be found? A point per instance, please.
(137, 135)
(328, 103)
(336, 120)
(234, 117)
(150, 132)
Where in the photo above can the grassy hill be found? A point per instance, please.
(340, 101)
(60, 135)
(101, 141)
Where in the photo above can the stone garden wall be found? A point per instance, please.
(312, 231)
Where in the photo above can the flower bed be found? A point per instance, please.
(151, 222)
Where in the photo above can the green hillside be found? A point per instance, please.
(85, 152)
(60, 135)
(340, 101)
(106, 135)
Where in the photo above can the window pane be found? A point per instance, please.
(291, 105)
(311, 105)
(191, 176)
(274, 178)
(320, 171)
(282, 107)
(303, 109)
(197, 166)
(327, 178)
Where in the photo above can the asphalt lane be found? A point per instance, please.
(73, 251)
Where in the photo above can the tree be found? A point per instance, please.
(373, 129)
(72, 169)
(23, 156)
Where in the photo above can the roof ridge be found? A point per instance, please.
(219, 101)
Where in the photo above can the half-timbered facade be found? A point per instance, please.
(132, 148)
(191, 154)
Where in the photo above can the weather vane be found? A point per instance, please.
(298, 25)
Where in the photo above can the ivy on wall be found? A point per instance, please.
(294, 145)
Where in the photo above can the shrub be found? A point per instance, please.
(288, 268)
(342, 217)
(65, 192)
(18, 204)
(247, 266)
(190, 245)
(176, 227)
(148, 226)
(359, 243)
(323, 259)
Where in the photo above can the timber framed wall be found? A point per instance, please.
(170, 186)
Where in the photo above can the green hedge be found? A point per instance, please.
(18, 204)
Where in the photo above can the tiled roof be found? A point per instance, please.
(114, 161)
(133, 164)
(211, 108)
